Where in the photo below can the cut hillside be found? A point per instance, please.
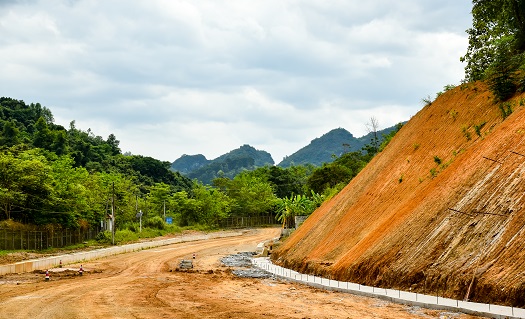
(439, 211)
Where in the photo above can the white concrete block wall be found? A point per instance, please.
(518, 312)
(423, 300)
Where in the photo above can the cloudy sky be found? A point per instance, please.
(174, 77)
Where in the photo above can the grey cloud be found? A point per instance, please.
(284, 68)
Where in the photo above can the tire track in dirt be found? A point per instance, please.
(144, 285)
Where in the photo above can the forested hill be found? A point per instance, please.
(189, 163)
(48, 168)
(331, 145)
(230, 164)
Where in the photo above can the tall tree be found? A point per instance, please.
(10, 134)
(498, 28)
(25, 185)
(42, 137)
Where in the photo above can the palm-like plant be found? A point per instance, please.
(297, 205)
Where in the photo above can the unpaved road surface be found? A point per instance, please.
(146, 285)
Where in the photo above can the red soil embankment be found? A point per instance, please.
(440, 210)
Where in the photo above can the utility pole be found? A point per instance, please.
(138, 213)
(140, 222)
(164, 210)
(113, 214)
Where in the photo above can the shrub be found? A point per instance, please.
(453, 114)
(150, 233)
(437, 160)
(125, 236)
(506, 109)
(466, 133)
(155, 222)
(449, 87)
(104, 237)
(426, 101)
(478, 128)
(131, 226)
(502, 87)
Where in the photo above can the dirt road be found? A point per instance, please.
(145, 285)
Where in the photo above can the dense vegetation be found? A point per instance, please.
(53, 175)
(496, 51)
(50, 175)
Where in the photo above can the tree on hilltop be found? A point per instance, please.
(496, 39)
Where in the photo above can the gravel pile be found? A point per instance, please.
(252, 273)
(244, 260)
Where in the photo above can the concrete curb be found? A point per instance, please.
(54, 261)
(397, 296)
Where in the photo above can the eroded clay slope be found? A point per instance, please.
(440, 210)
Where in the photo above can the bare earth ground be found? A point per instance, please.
(146, 284)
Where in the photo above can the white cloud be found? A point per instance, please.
(173, 77)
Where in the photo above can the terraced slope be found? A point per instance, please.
(440, 210)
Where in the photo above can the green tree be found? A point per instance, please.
(25, 185)
(158, 196)
(113, 144)
(285, 181)
(10, 134)
(498, 28)
(251, 195)
(42, 137)
(119, 191)
(328, 176)
(68, 204)
(213, 205)
(186, 209)
(59, 145)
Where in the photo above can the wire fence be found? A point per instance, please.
(44, 239)
(248, 221)
(399, 296)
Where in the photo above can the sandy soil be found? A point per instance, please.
(146, 285)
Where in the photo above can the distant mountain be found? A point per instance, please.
(322, 150)
(189, 163)
(228, 165)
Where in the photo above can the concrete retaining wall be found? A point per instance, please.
(54, 261)
(397, 296)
